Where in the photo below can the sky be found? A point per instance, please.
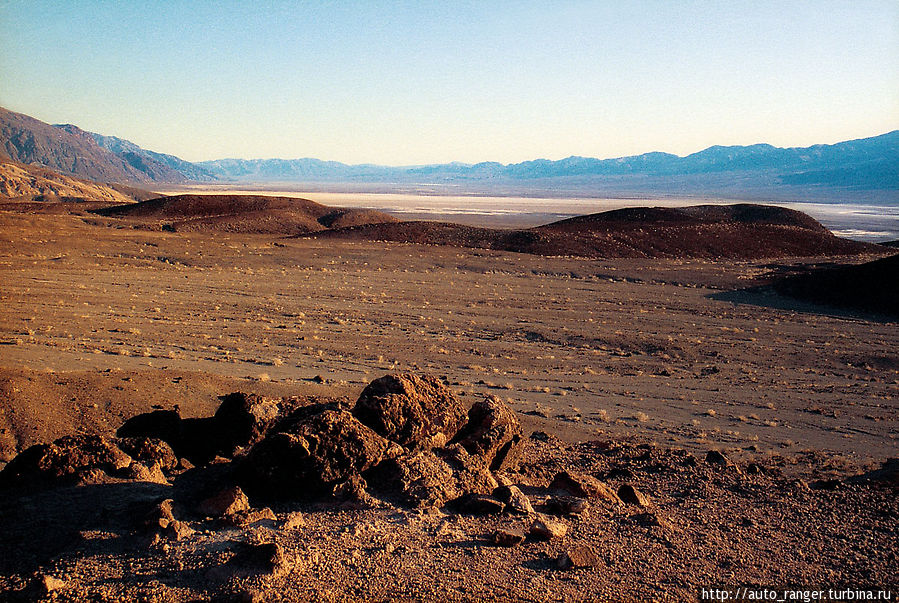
(417, 82)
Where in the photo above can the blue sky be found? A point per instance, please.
(426, 82)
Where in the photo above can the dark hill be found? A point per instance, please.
(243, 213)
(741, 231)
(639, 217)
(870, 287)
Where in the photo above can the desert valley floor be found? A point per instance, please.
(646, 359)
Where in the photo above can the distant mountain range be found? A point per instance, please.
(866, 167)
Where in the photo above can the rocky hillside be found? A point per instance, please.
(22, 182)
(408, 494)
(72, 151)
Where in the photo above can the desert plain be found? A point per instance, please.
(620, 368)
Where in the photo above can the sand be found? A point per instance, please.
(103, 322)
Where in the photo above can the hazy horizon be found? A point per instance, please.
(432, 83)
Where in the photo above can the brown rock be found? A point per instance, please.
(493, 432)
(716, 457)
(470, 472)
(242, 419)
(319, 447)
(478, 504)
(584, 486)
(566, 505)
(66, 457)
(160, 516)
(140, 472)
(352, 492)
(516, 501)
(546, 529)
(248, 517)
(196, 439)
(177, 530)
(250, 560)
(48, 584)
(632, 496)
(149, 451)
(507, 537)
(293, 520)
(578, 557)
(422, 480)
(164, 425)
(224, 502)
(416, 412)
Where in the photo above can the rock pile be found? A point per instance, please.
(407, 438)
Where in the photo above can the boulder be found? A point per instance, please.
(140, 472)
(470, 472)
(492, 432)
(352, 493)
(419, 481)
(243, 419)
(149, 451)
(196, 439)
(163, 425)
(249, 517)
(415, 412)
(224, 502)
(67, 457)
(308, 455)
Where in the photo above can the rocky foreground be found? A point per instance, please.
(406, 494)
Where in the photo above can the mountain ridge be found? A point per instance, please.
(857, 166)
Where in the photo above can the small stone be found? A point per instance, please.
(826, 484)
(716, 457)
(249, 517)
(160, 516)
(755, 469)
(508, 537)
(142, 473)
(546, 529)
(578, 557)
(225, 502)
(48, 584)
(516, 500)
(479, 504)
(651, 520)
(250, 560)
(584, 486)
(566, 505)
(632, 496)
(294, 520)
(178, 530)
